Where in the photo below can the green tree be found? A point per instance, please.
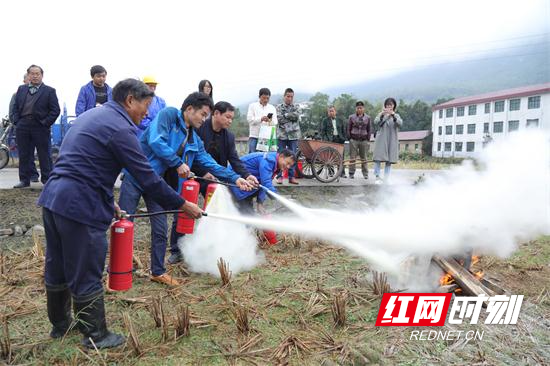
(239, 126)
(318, 109)
(416, 115)
(345, 106)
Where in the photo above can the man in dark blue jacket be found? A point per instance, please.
(78, 207)
(95, 93)
(35, 109)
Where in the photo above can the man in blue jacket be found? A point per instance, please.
(77, 208)
(156, 105)
(264, 166)
(95, 93)
(34, 111)
(172, 146)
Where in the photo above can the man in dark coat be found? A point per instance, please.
(78, 207)
(35, 109)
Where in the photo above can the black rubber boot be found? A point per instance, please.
(90, 313)
(59, 309)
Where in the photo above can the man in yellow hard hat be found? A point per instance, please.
(156, 104)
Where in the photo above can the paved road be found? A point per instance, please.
(9, 177)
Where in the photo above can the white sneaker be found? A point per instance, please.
(378, 181)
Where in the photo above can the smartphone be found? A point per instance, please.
(269, 115)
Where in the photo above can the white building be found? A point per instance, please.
(462, 126)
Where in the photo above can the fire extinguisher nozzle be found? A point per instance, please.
(205, 214)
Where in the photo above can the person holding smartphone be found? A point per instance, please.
(386, 144)
(259, 112)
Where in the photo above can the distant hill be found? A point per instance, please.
(450, 80)
(492, 72)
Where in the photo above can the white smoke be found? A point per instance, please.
(488, 208)
(214, 238)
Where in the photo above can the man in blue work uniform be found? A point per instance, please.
(78, 207)
(172, 146)
(264, 166)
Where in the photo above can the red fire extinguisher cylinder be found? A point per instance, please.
(209, 193)
(189, 192)
(121, 252)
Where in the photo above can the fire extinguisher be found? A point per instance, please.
(209, 193)
(270, 235)
(189, 192)
(121, 252)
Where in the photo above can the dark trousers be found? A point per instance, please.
(129, 200)
(31, 134)
(75, 254)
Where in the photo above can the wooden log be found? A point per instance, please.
(445, 289)
(469, 284)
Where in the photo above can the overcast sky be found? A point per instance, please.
(243, 45)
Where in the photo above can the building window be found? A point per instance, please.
(440, 130)
(514, 104)
(533, 102)
(487, 107)
(406, 147)
(499, 106)
(441, 113)
(459, 111)
(513, 126)
(416, 147)
(448, 130)
(472, 110)
(471, 128)
(532, 123)
(448, 146)
(439, 146)
(470, 146)
(497, 127)
(486, 127)
(458, 146)
(459, 129)
(449, 112)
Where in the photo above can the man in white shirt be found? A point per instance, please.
(258, 114)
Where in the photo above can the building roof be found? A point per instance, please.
(409, 135)
(496, 95)
(412, 135)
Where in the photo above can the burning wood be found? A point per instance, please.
(467, 281)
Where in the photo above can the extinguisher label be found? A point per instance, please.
(119, 230)
(189, 188)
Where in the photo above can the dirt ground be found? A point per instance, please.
(287, 302)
